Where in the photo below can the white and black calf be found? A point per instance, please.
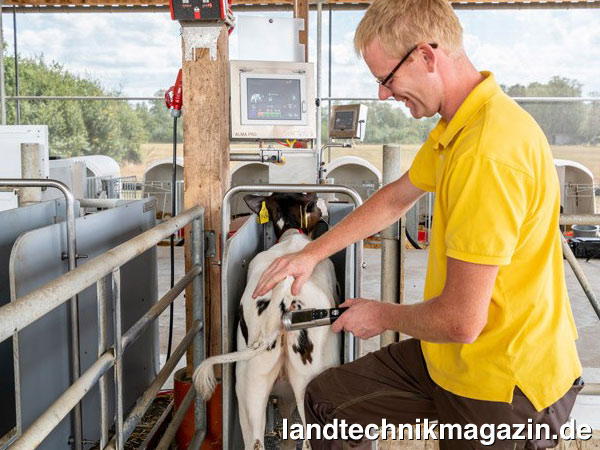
(266, 352)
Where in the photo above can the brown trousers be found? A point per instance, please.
(393, 383)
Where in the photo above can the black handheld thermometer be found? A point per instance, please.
(308, 318)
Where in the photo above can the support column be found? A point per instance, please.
(392, 246)
(206, 155)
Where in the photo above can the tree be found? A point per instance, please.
(158, 121)
(75, 127)
(388, 124)
(590, 127)
(561, 121)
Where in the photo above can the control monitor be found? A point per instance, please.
(272, 100)
(348, 122)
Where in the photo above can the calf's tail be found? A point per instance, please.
(204, 375)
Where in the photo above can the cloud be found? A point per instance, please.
(141, 52)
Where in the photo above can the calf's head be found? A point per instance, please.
(288, 210)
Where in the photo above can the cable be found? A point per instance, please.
(173, 214)
(414, 243)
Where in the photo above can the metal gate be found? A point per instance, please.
(105, 272)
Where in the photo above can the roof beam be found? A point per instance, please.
(66, 6)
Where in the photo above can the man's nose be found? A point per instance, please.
(384, 92)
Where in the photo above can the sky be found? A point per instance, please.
(139, 54)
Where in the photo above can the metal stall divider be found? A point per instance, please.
(34, 305)
(352, 347)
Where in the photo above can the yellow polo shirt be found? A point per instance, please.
(497, 202)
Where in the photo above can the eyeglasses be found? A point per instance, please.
(395, 69)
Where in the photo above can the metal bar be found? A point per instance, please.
(579, 219)
(27, 309)
(159, 423)
(198, 311)
(318, 188)
(2, 80)
(73, 307)
(103, 383)
(225, 219)
(78, 97)
(17, 89)
(44, 424)
(146, 400)
(517, 99)
(319, 72)
(118, 348)
(329, 59)
(245, 157)
(323, 99)
(157, 309)
(580, 274)
(165, 442)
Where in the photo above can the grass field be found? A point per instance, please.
(589, 156)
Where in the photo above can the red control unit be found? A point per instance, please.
(195, 10)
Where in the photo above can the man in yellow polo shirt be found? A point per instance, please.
(494, 341)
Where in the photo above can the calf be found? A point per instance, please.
(266, 352)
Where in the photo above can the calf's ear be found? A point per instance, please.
(254, 202)
(311, 197)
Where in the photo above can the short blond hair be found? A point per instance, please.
(398, 25)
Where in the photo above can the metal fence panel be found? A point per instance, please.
(13, 223)
(44, 346)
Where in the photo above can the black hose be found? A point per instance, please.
(173, 214)
(414, 243)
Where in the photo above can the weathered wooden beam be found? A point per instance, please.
(301, 12)
(206, 152)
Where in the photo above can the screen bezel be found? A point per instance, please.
(244, 76)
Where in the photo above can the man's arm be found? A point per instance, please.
(458, 314)
(382, 209)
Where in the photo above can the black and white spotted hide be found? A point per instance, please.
(266, 352)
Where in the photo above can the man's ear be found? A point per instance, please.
(429, 57)
(254, 202)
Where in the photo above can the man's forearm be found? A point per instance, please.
(428, 321)
(382, 209)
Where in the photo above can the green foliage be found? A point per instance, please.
(573, 123)
(110, 128)
(158, 121)
(118, 128)
(388, 124)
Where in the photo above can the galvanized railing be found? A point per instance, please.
(27, 309)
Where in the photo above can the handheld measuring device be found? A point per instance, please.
(309, 318)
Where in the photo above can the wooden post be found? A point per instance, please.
(206, 154)
(301, 11)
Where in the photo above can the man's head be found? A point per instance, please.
(425, 36)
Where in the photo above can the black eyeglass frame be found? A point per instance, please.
(395, 69)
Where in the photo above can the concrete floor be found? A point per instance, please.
(587, 408)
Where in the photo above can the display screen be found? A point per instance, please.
(274, 99)
(344, 120)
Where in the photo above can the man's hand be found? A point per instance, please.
(300, 265)
(364, 319)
